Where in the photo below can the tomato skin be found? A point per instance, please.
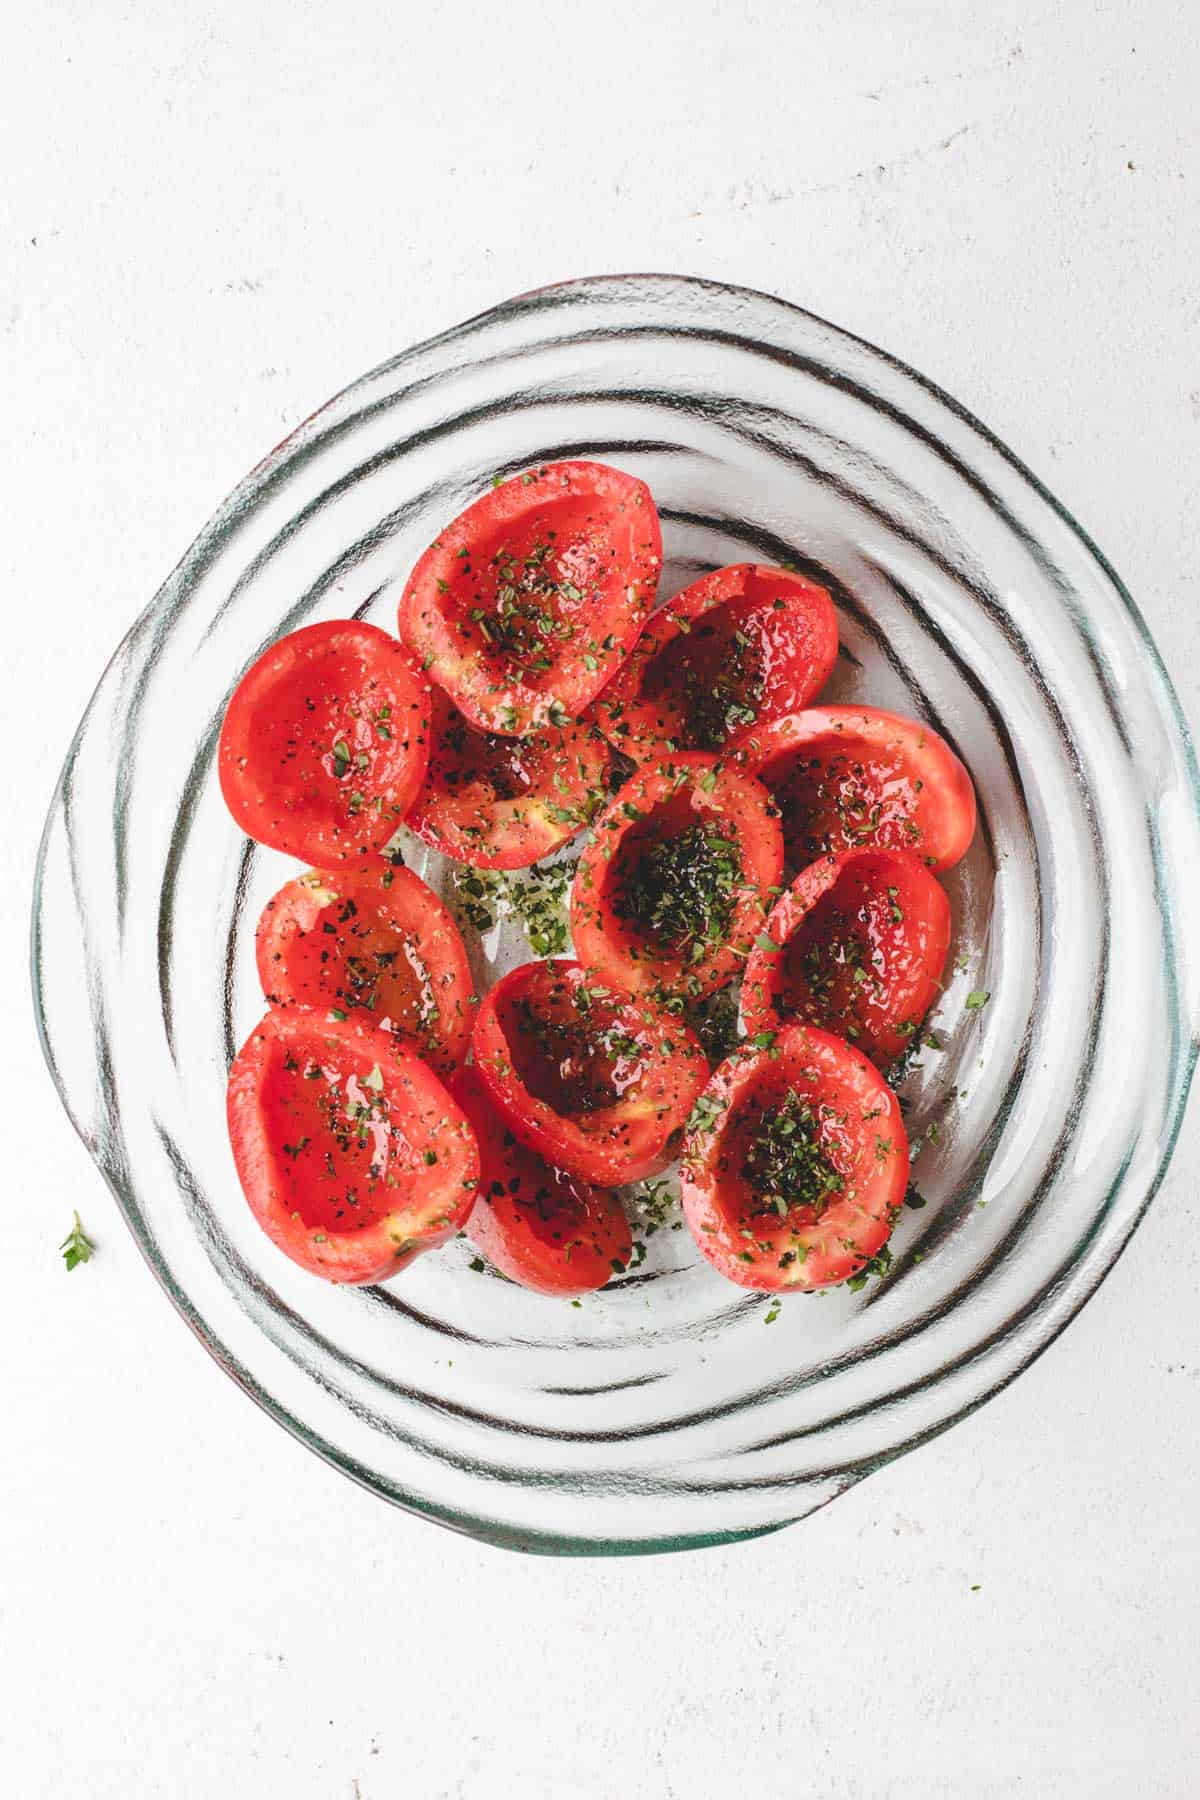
(504, 802)
(605, 1115)
(540, 1226)
(407, 1177)
(595, 577)
(668, 798)
(863, 1136)
(848, 776)
(747, 634)
(324, 743)
(862, 940)
(376, 943)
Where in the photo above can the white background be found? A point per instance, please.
(207, 225)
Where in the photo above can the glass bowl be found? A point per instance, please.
(671, 1409)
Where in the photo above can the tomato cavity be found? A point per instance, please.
(680, 874)
(324, 743)
(599, 1084)
(530, 600)
(857, 946)
(795, 1164)
(377, 942)
(844, 777)
(734, 650)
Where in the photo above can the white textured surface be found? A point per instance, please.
(207, 226)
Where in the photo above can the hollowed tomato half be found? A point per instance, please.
(376, 944)
(504, 802)
(681, 872)
(324, 743)
(531, 599)
(352, 1155)
(847, 776)
(856, 946)
(598, 1083)
(742, 646)
(795, 1163)
(539, 1225)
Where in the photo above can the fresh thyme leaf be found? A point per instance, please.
(76, 1247)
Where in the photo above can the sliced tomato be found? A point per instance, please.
(736, 649)
(532, 598)
(795, 1164)
(680, 874)
(538, 1225)
(504, 802)
(598, 1083)
(351, 1153)
(857, 946)
(325, 741)
(375, 942)
(847, 776)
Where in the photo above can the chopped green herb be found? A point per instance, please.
(76, 1247)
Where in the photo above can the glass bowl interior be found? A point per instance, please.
(671, 1409)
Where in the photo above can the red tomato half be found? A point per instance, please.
(325, 742)
(738, 648)
(504, 802)
(538, 1225)
(847, 776)
(795, 1164)
(351, 1153)
(858, 943)
(530, 600)
(376, 942)
(680, 874)
(598, 1083)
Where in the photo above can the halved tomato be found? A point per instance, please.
(538, 1225)
(373, 942)
(531, 599)
(351, 1153)
(504, 802)
(795, 1163)
(678, 879)
(325, 741)
(847, 776)
(734, 650)
(598, 1083)
(857, 946)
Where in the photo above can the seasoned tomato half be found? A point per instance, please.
(847, 776)
(736, 649)
(537, 1224)
(351, 1153)
(504, 802)
(325, 741)
(680, 875)
(532, 598)
(795, 1163)
(857, 946)
(599, 1084)
(374, 942)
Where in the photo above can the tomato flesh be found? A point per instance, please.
(680, 874)
(353, 1157)
(324, 743)
(795, 1165)
(859, 943)
(736, 649)
(598, 1083)
(374, 943)
(504, 802)
(539, 1225)
(847, 776)
(530, 600)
